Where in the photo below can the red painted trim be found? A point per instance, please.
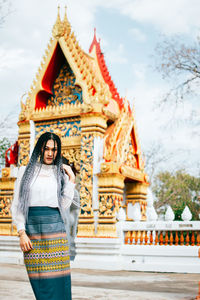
(49, 77)
(11, 155)
(105, 72)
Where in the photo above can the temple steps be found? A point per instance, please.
(9, 243)
(10, 251)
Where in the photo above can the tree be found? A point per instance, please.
(4, 145)
(181, 64)
(155, 156)
(5, 10)
(7, 134)
(178, 190)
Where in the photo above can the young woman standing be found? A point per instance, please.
(43, 191)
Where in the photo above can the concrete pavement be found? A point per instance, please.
(106, 285)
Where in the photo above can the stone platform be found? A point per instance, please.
(106, 285)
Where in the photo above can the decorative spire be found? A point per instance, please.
(104, 70)
(66, 24)
(23, 113)
(94, 42)
(58, 28)
(95, 37)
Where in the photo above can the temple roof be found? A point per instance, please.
(92, 76)
(104, 70)
(64, 46)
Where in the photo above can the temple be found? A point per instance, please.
(74, 96)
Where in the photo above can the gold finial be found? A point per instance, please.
(66, 24)
(23, 113)
(58, 29)
(58, 20)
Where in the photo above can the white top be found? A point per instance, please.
(43, 192)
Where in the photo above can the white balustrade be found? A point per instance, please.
(161, 233)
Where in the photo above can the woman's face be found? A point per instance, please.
(50, 152)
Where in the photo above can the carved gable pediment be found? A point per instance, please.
(121, 145)
(64, 89)
(130, 157)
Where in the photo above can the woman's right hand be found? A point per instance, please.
(25, 242)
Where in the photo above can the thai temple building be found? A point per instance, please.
(73, 95)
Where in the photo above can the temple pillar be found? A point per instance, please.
(137, 192)
(93, 124)
(110, 191)
(6, 195)
(24, 142)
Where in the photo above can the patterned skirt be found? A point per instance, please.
(48, 263)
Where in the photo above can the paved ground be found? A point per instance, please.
(106, 285)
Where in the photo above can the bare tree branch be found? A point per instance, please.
(5, 10)
(154, 157)
(181, 64)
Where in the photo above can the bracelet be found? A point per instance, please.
(21, 232)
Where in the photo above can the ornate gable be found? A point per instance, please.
(64, 57)
(64, 89)
(121, 145)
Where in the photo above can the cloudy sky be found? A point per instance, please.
(129, 31)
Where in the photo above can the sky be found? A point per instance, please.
(129, 31)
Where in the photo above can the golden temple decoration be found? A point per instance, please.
(22, 115)
(71, 142)
(64, 88)
(73, 156)
(56, 112)
(112, 135)
(86, 174)
(106, 231)
(132, 173)
(85, 230)
(110, 115)
(24, 150)
(24, 142)
(137, 142)
(5, 172)
(87, 108)
(5, 203)
(93, 124)
(111, 185)
(83, 65)
(58, 28)
(66, 127)
(66, 24)
(92, 84)
(6, 196)
(129, 155)
(7, 183)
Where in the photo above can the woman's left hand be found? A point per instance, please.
(69, 172)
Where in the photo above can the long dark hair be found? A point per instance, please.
(66, 162)
(34, 165)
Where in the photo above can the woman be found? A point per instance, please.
(43, 190)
